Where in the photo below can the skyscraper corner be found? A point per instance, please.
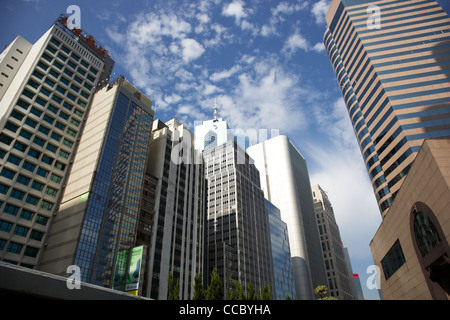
(391, 62)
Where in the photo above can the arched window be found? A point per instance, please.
(432, 249)
(426, 234)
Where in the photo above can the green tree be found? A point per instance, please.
(215, 289)
(176, 291)
(229, 293)
(238, 290)
(266, 292)
(199, 292)
(251, 294)
(288, 297)
(173, 292)
(170, 287)
(321, 291)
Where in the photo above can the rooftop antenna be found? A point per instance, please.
(215, 109)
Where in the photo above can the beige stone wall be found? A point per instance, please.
(427, 182)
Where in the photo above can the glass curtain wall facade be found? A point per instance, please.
(100, 206)
(391, 59)
(42, 115)
(113, 212)
(281, 255)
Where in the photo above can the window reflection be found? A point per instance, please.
(425, 233)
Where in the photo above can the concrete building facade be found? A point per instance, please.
(339, 280)
(46, 92)
(172, 215)
(411, 246)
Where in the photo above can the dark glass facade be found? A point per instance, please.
(237, 226)
(281, 255)
(112, 214)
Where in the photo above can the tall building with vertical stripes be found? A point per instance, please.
(392, 62)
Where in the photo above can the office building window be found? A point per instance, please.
(10, 209)
(31, 252)
(21, 231)
(5, 226)
(26, 214)
(393, 260)
(14, 247)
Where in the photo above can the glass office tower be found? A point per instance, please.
(283, 284)
(46, 91)
(392, 62)
(99, 212)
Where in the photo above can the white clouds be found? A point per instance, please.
(218, 39)
(288, 8)
(344, 177)
(340, 170)
(278, 15)
(318, 47)
(320, 10)
(191, 49)
(235, 9)
(150, 28)
(294, 42)
(173, 98)
(297, 41)
(225, 74)
(265, 96)
(209, 89)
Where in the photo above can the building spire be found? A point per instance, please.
(215, 109)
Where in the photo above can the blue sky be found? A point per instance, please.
(262, 60)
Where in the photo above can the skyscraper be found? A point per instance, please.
(237, 227)
(339, 281)
(285, 180)
(172, 211)
(391, 61)
(97, 220)
(46, 90)
(283, 282)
